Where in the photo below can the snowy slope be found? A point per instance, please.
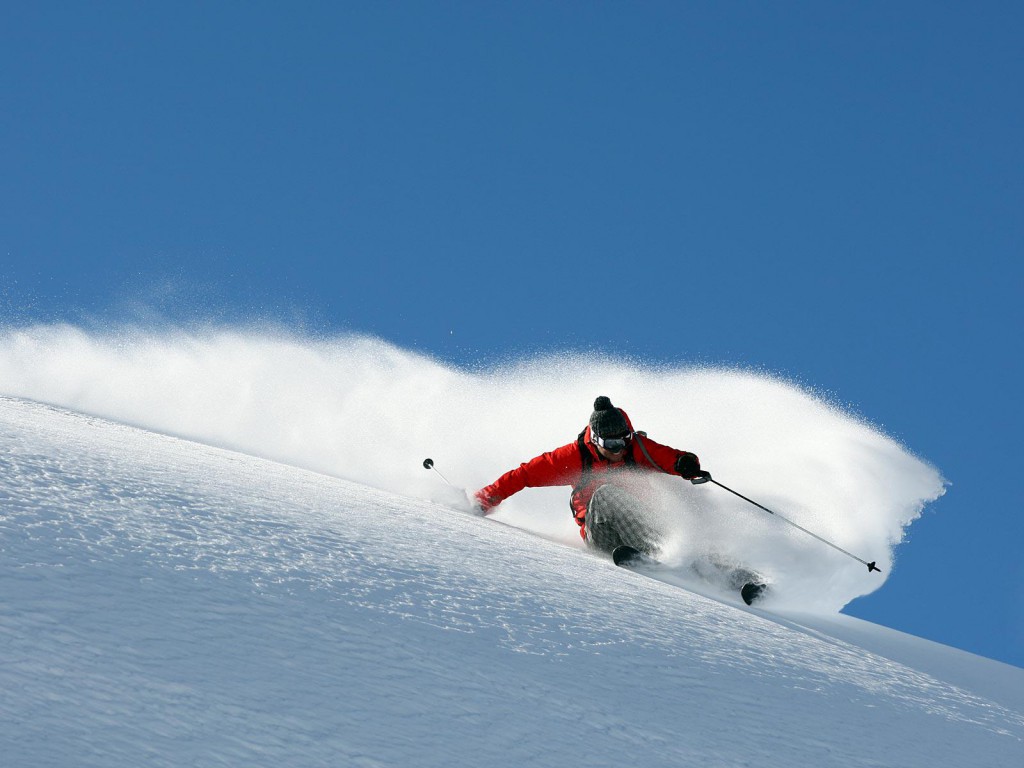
(165, 603)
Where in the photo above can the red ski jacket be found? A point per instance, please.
(580, 465)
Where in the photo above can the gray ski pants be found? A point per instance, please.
(615, 517)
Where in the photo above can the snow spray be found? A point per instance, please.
(361, 409)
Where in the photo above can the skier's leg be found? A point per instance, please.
(717, 569)
(602, 531)
(614, 518)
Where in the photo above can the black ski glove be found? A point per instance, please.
(688, 465)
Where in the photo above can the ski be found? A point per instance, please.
(625, 556)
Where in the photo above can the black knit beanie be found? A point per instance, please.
(607, 421)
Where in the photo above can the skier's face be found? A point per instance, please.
(609, 456)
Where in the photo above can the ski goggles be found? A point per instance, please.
(612, 444)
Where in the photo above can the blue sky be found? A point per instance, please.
(829, 192)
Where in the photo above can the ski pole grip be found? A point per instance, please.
(702, 478)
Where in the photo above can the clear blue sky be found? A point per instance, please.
(829, 191)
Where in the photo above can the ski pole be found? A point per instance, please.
(708, 479)
(429, 464)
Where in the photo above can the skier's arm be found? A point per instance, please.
(668, 460)
(558, 467)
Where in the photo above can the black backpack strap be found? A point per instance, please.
(586, 457)
(586, 462)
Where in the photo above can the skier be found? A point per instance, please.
(608, 516)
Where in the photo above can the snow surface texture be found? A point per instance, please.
(363, 410)
(166, 603)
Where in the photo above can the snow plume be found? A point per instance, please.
(361, 409)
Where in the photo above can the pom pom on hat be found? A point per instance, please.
(607, 420)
